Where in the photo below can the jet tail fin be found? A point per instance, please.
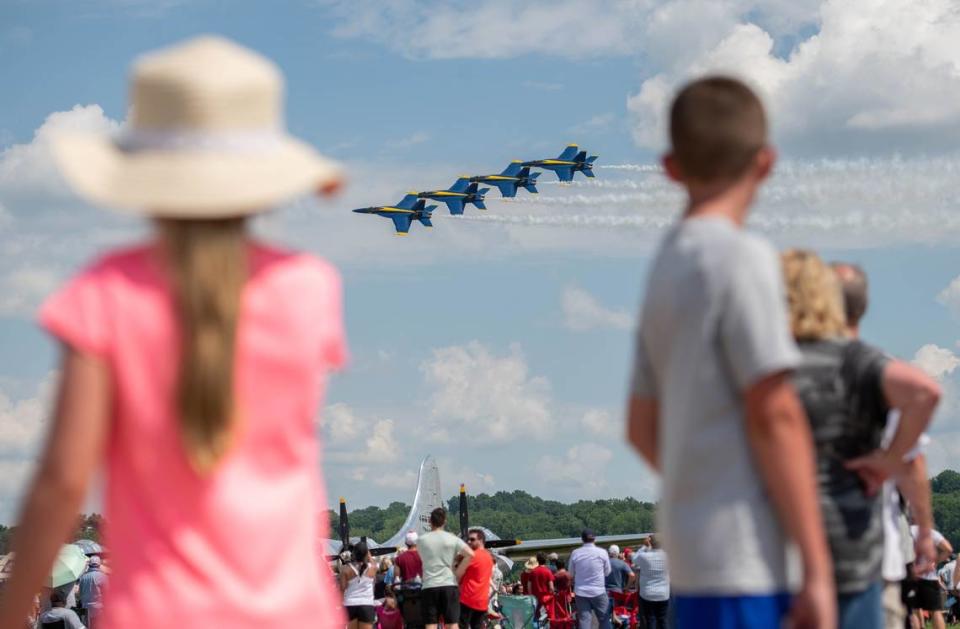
(512, 169)
(568, 152)
(460, 184)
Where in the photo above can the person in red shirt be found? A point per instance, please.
(408, 563)
(561, 580)
(475, 583)
(541, 581)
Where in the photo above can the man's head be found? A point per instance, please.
(95, 562)
(58, 599)
(476, 538)
(718, 134)
(588, 536)
(541, 558)
(654, 542)
(553, 558)
(613, 551)
(853, 283)
(438, 518)
(410, 539)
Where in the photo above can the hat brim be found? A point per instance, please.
(191, 184)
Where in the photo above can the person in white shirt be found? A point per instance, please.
(589, 567)
(59, 612)
(653, 581)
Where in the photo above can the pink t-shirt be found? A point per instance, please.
(239, 548)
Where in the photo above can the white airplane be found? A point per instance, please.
(429, 497)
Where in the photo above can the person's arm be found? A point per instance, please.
(642, 407)
(916, 396)
(344, 576)
(944, 549)
(71, 456)
(642, 418)
(782, 446)
(915, 488)
(466, 556)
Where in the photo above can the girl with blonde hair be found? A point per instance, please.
(848, 389)
(193, 364)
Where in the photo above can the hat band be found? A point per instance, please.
(241, 142)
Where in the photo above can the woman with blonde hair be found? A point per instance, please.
(848, 389)
(193, 363)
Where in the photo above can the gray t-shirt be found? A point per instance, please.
(438, 550)
(713, 323)
(840, 383)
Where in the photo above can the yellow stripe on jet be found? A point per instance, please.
(445, 193)
(396, 210)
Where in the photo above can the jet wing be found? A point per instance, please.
(528, 548)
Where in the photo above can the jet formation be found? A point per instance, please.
(466, 191)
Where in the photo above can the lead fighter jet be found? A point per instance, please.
(514, 176)
(571, 160)
(409, 209)
(458, 195)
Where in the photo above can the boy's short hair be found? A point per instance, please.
(438, 517)
(717, 125)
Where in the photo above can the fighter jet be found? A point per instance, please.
(458, 195)
(514, 176)
(571, 160)
(409, 209)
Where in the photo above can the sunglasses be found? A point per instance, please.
(473, 539)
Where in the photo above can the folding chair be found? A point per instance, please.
(518, 612)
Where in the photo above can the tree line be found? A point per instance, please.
(517, 514)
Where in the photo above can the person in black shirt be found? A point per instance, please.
(847, 389)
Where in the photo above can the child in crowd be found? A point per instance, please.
(712, 407)
(193, 363)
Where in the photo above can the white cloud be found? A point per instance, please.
(23, 424)
(342, 424)
(601, 422)
(488, 397)
(583, 469)
(400, 481)
(582, 311)
(937, 362)
(878, 73)
(359, 439)
(29, 169)
(950, 296)
(413, 139)
(490, 28)
(23, 288)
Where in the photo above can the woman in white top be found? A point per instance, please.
(356, 580)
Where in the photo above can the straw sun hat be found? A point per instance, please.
(205, 139)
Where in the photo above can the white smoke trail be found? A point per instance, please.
(636, 198)
(611, 184)
(572, 220)
(637, 168)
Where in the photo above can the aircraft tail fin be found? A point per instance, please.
(568, 152)
(581, 157)
(460, 185)
(531, 186)
(506, 188)
(425, 500)
(512, 169)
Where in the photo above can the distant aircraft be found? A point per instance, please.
(428, 497)
(513, 176)
(409, 209)
(571, 160)
(458, 195)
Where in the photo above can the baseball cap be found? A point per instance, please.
(411, 538)
(588, 535)
(614, 550)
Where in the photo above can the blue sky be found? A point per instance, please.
(501, 343)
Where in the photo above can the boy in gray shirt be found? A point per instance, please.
(712, 407)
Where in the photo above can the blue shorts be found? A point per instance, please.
(730, 612)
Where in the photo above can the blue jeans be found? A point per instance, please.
(730, 612)
(587, 606)
(863, 610)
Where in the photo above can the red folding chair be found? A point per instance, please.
(559, 615)
(626, 605)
